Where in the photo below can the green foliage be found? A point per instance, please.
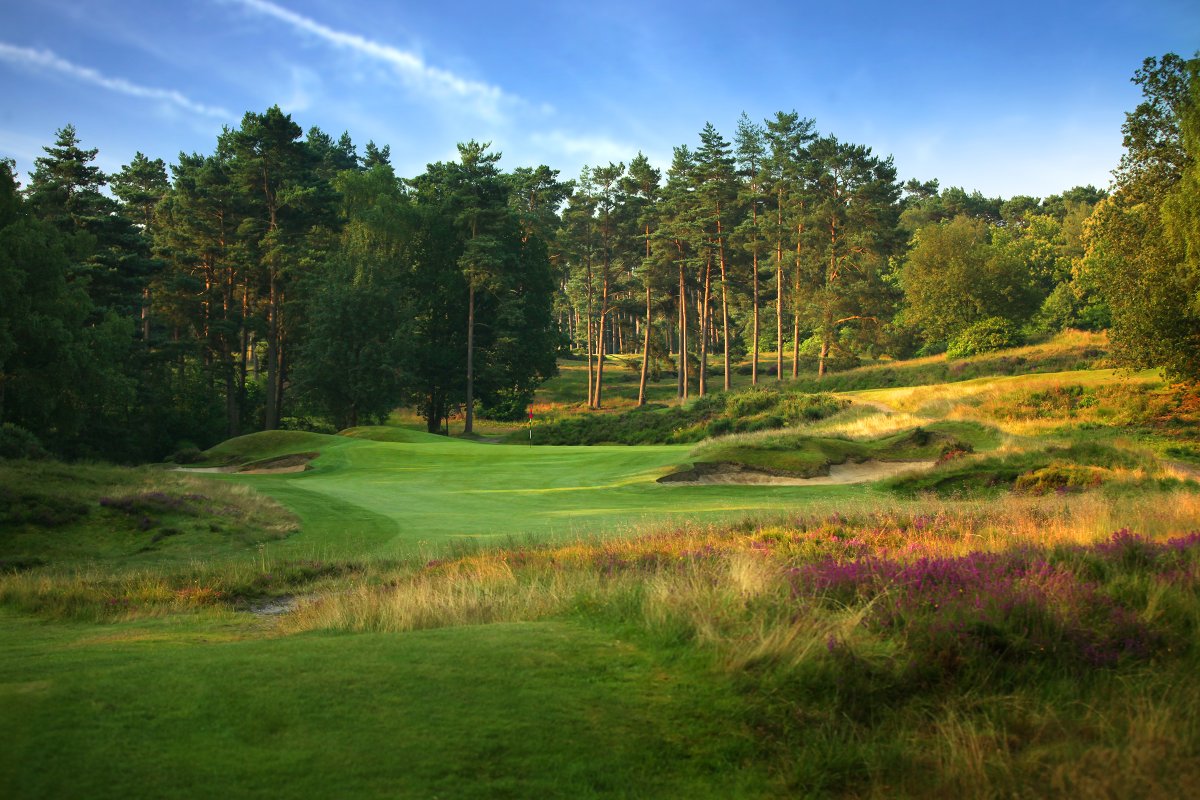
(355, 345)
(67, 371)
(506, 405)
(16, 442)
(1144, 240)
(712, 415)
(852, 231)
(985, 336)
(961, 272)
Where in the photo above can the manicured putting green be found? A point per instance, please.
(392, 498)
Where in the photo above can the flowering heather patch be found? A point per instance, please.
(1024, 604)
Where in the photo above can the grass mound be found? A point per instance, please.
(59, 514)
(712, 415)
(390, 433)
(796, 454)
(265, 444)
(1063, 468)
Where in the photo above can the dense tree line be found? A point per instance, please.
(282, 280)
(287, 280)
(807, 249)
(796, 245)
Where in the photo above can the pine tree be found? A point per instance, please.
(787, 136)
(854, 213)
(141, 185)
(717, 189)
(608, 183)
(642, 192)
(677, 238)
(751, 160)
(292, 207)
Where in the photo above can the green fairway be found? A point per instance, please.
(393, 498)
(524, 710)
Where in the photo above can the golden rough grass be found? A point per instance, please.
(946, 399)
(472, 596)
(718, 599)
(871, 425)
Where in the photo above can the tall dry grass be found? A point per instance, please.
(714, 583)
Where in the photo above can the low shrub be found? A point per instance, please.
(967, 616)
(33, 507)
(986, 336)
(1060, 476)
(308, 424)
(189, 454)
(16, 442)
(749, 402)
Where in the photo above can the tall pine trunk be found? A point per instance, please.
(646, 333)
(469, 424)
(243, 355)
(724, 305)
(683, 338)
(754, 348)
(271, 411)
(796, 295)
(601, 349)
(705, 323)
(826, 315)
(591, 384)
(779, 288)
(645, 352)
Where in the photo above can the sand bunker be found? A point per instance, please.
(863, 472)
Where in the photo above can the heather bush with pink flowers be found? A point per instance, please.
(1024, 608)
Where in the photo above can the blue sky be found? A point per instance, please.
(1008, 98)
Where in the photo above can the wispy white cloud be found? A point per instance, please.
(47, 61)
(483, 98)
